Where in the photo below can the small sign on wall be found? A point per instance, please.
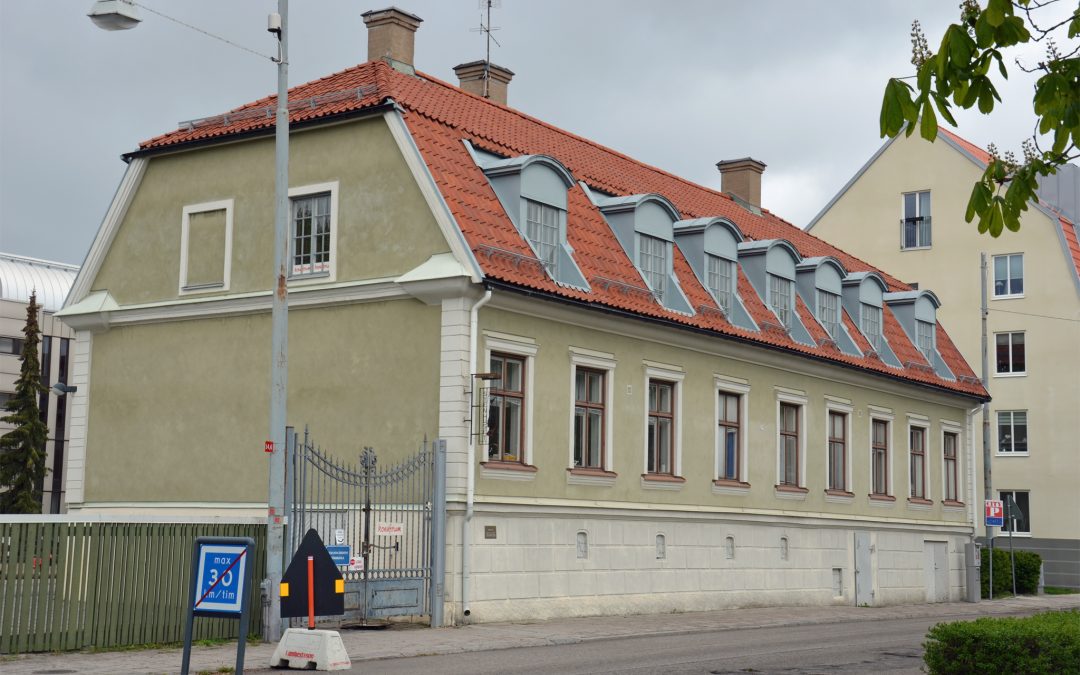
(389, 529)
(490, 532)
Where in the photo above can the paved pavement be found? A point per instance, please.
(406, 640)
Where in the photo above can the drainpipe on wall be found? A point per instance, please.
(972, 507)
(470, 471)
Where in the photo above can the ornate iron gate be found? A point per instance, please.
(392, 518)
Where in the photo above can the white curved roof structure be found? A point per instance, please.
(20, 276)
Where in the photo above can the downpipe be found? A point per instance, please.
(470, 468)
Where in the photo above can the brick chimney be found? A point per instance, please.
(391, 34)
(741, 178)
(471, 79)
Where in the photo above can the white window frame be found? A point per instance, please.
(1003, 530)
(790, 311)
(1012, 425)
(926, 350)
(723, 384)
(724, 297)
(955, 428)
(879, 336)
(800, 400)
(310, 191)
(526, 349)
(1008, 268)
(920, 422)
(883, 415)
(538, 243)
(919, 245)
(1010, 372)
(185, 226)
(832, 328)
(589, 358)
(664, 260)
(675, 375)
(843, 407)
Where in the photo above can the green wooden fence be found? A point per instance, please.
(75, 584)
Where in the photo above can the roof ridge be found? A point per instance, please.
(571, 134)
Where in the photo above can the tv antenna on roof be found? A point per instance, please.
(487, 29)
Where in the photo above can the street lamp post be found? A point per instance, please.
(123, 15)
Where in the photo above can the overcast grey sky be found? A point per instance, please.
(678, 84)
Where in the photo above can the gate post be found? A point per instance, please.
(438, 534)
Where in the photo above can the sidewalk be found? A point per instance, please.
(408, 640)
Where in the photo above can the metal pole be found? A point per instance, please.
(275, 545)
(988, 490)
(1012, 526)
(438, 539)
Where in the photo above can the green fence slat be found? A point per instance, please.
(142, 633)
(29, 550)
(8, 629)
(76, 602)
(147, 615)
(44, 574)
(102, 585)
(56, 600)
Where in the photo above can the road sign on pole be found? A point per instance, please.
(995, 513)
(220, 587)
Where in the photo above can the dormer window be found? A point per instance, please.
(925, 338)
(542, 230)
(533, 191)
(871, 325)
(781, 299)
(829, 311)
(720, 277)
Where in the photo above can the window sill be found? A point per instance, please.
(916, 248)
(580, 475)
(1011, 454)
(727, 486)
(953, 505)
(1019, 296)
(660, 481)
(507, 471)
(839, 496)
(217, 287)
(919, 503)
(882, 501)
(790, 492)
(1020, 374)
(309, 279)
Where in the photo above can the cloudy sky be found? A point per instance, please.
(678, 84)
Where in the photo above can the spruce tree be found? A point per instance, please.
(22, 450)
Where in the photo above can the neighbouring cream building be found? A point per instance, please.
(19, 277)
(904, 210)
(698, 405)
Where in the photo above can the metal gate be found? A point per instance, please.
(392, 517)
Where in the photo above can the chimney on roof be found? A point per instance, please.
(473, 75)
(741, 178)
(391, 36)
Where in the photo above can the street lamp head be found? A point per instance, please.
(114, 14)
(63, 389)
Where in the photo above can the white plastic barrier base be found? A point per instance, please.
(300, 648)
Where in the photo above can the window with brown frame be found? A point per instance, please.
(918, 463)
(789, 444)
(837, 451)
(506, 409)
(589, 411)
(661, 427)
(729, 436)
(949, 442)
(879, 460)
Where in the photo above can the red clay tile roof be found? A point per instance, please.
(979, 154)
(1072, 241)
(441, 116)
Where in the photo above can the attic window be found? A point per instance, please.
(871, 325)
(925, 338)
(720, 277)
(652, 260)
(542, 230)
(829, 311)
(780, 298)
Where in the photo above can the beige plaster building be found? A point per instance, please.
(697, 405)
(19, 277)
(904, 210)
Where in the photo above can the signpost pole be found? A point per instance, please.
(245, 605)
(988, 492)
(189, 623)
(1012, 526)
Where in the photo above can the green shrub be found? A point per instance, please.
(1028, 565)
(1044, 643)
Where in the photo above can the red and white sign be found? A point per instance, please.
(389, 529)
(356, 564)
(269, 446)
(995, 512)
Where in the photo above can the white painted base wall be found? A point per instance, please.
(531, 569)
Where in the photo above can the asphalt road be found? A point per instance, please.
(890, 646)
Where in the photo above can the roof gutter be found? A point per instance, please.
(267, 132)
(502, 285)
